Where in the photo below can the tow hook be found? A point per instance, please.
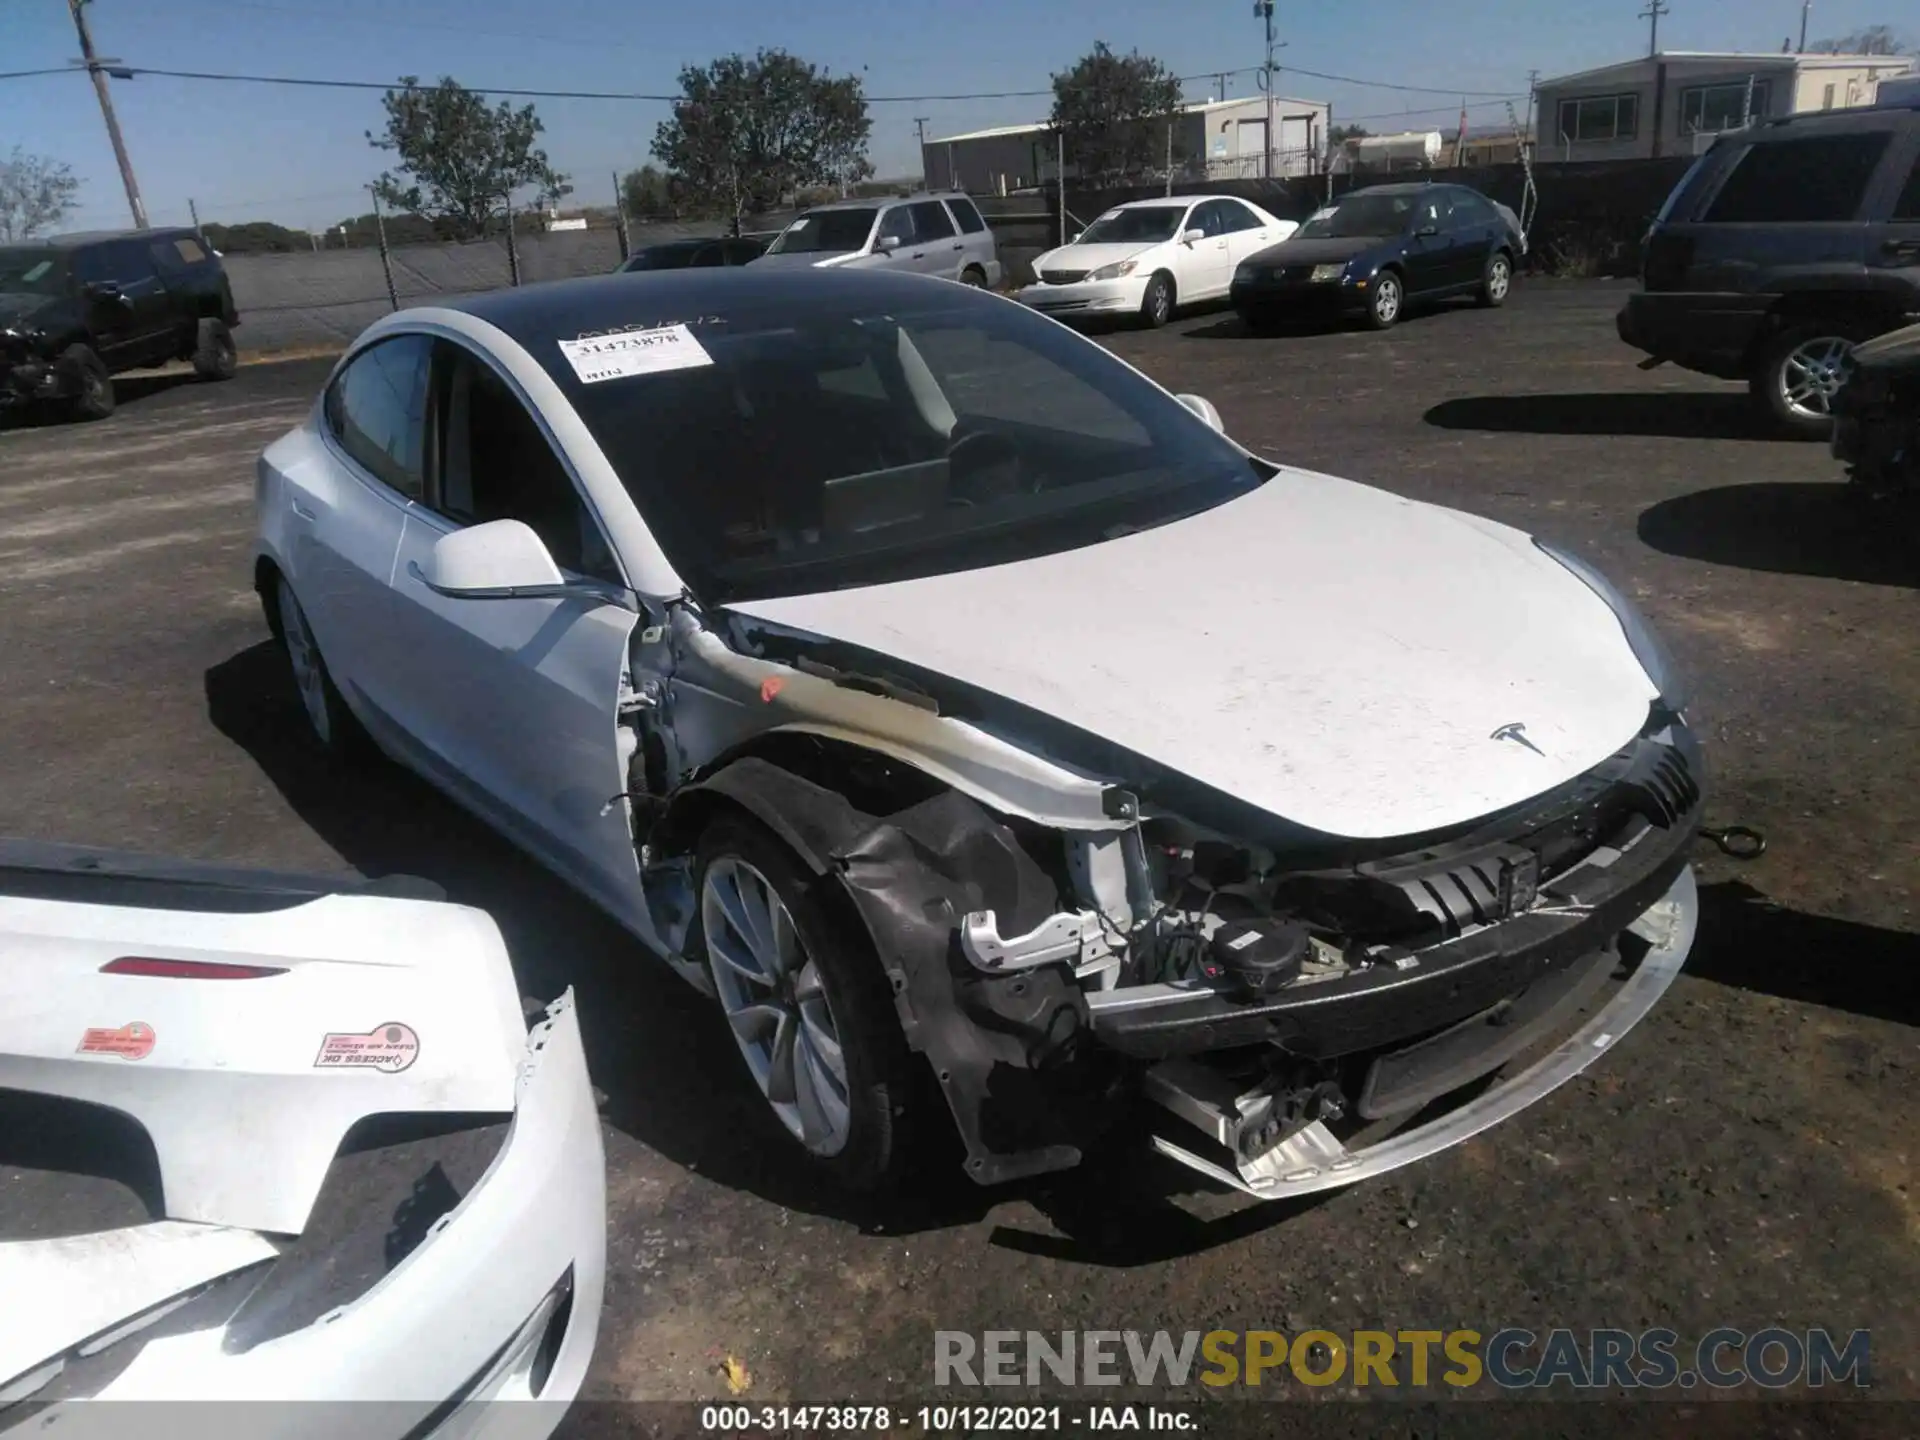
(1737, 842)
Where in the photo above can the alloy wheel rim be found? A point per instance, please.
(304, 659)
(1387, 300)
(1813, 374)
(1161, 305)
(775, 1004)
(1500, 279)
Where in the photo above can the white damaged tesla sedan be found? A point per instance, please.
(268, 1137)
(954, 705)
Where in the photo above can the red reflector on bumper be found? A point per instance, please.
(187, 969)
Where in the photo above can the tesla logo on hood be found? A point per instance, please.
(1517, 733)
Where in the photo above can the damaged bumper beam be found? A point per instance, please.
(1314, 1159)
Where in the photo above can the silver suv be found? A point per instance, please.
(930, 234)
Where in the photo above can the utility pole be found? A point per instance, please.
(1533, 93)
(920, 128)
(1655, 9)
(386, 258)
(1223, 86)
(97, 68)
(1806, 9)
(1263, 9)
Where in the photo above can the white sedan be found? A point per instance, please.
(1147, 257)
(996, 741)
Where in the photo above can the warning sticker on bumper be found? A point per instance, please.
(634, 352)
(388, 1048)
(133, 1041)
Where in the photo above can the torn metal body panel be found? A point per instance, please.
(250, 1031)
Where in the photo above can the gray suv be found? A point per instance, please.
(931, 234)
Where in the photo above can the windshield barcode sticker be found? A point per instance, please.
(634, 352)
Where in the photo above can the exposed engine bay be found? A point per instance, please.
(1056, 942)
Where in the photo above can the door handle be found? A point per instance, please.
(959, 247)
(1903, 249)
(301, 512)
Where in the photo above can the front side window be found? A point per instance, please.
(825, 232)
(495, 463)
(1600, 117)
(1239, 217)
(1808, 180)
(1711, 109)
(931, 221)
(824, 444)
(376, 411)
(1147, 225)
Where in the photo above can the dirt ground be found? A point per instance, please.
(1746, 1157)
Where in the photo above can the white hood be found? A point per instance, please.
(1325, 651)
(1090, 257)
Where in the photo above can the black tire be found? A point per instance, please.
(1497, 283)
(973, 275)
(329, 721)
(878, 1065)
(92, 386)
(1794, 359)
(1156, 306)
(214, 357)
(1386, 300)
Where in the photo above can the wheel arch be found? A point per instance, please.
(266, 584)
(1795, 308)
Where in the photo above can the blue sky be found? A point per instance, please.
(299, 156)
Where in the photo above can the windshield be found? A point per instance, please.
(1144, 226)
(1358, 216)
(812, 444)
(28, 271)
(661, 257)
(825, 230)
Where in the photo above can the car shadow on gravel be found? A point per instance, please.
(1667, 414)
(1811, 528)
(1746, 940)
(657, 1050)
(127, 390)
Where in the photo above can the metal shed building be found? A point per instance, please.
(1213, 138)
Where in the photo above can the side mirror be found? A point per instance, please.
(1426, 231)
(1202, 407)
(500, 560)
(1193, 237)
(887, 243)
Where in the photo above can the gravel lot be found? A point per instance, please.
(1746, 1157)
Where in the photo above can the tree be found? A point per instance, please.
(746, 134)
(464, 160)
(255, 237)
(35, 194)
(1340, 134)
(1873, 40)
(1113, 110)
(650, 193)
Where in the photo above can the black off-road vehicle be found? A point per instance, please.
(1784, 247)
(76, 310)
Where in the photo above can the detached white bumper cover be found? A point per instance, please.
(498, 1299)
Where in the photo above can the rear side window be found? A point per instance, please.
(376, 411)
(1907, 207)
(1819, 178)
(969, 218)
(930, 221)
(1469, 210)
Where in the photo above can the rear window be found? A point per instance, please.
(1818, 178)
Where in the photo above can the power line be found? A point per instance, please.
(23, 74)
(522, 93)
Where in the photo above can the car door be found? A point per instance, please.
(1893, 244)
(513, 703)
(937, 244)
(347, 501)
(1249, 232)
(1473, 225)
(125, 301)
(1429, 247)
(896, 224)
(1207, 263)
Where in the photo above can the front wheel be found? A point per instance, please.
(1498, 282)
(1156, 306)
(1385, 303)
(92, 386)
(974, 276)
(1800, 371)
(803, 994)
(332, 724)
